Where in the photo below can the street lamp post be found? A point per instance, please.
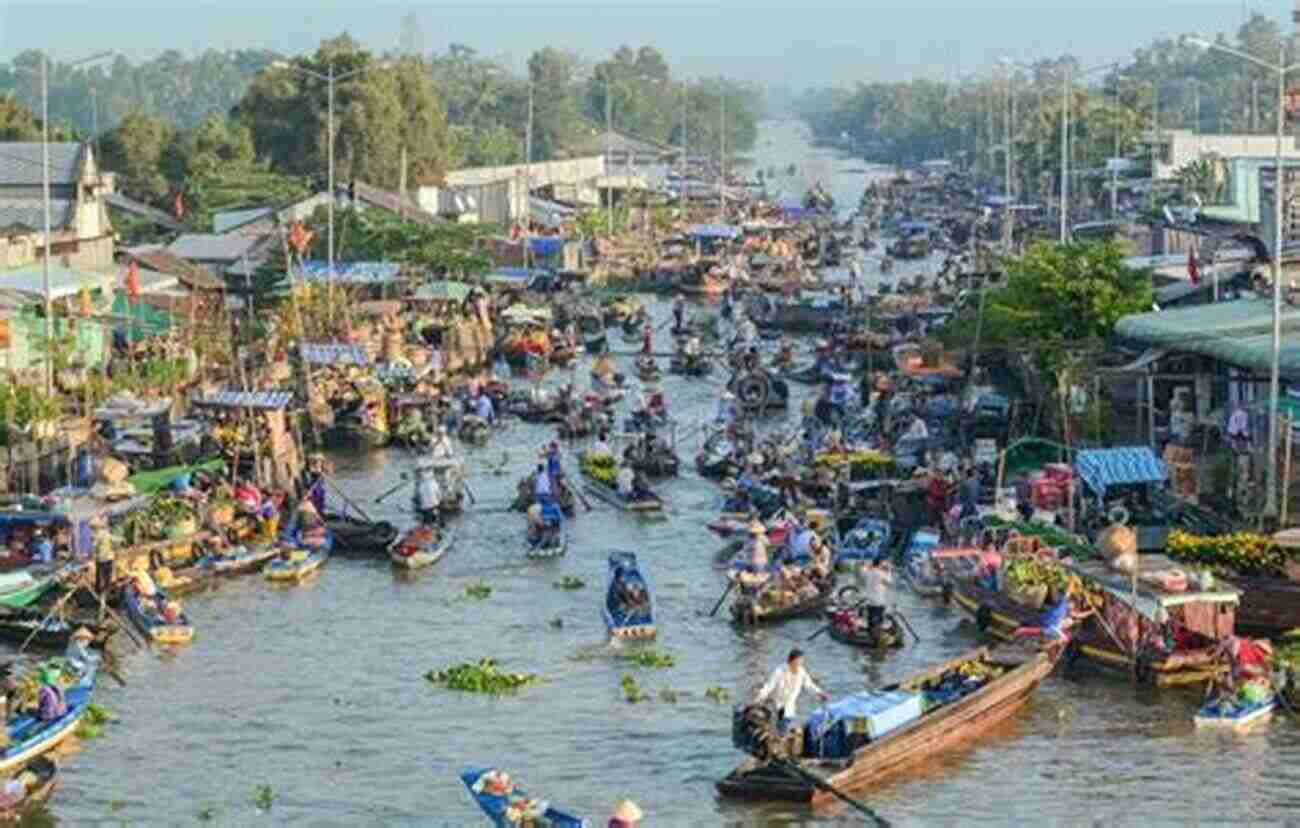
(47, 207)
(332, 79)
(1282, 70)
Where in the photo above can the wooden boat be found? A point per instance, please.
(501, 806)
(916, 562)
(647, 370)
(242, 559)
(420, 547)
(848, 627)
(142, 612)
(40, 786)
(1193, 662)
(29, 737)
(22, 588)
(1230, 715)
(866, 541)
(750, 610)
(629, 606)
(46, 632)
(1269, 606)
(353, 535)
(945, 565)
(610, 495)
(524, 496)
(552, 544)
(295, 564)
(930, 713)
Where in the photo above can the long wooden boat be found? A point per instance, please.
(952, 711)
(610, 495)
(242, 560)
(420, 547)
(150, 623)
(20, 589)
(1269, 606)
(295, 564)
(29, 737)
(702, 367)
(44, 632)
(628, 610)
(45, 778)
(500, 806)
(996, 615)
(845, 628)
(355, 536)
(865, 542)
(748, 610)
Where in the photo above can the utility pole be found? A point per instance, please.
(722, 158)
(528, 183)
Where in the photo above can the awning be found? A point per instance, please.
(1102, 468)
(713, 231)
(442, 291)
(1139, 365)
(332, 353)
(268, 400)
(357, 273)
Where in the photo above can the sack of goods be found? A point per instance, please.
(1118, 545)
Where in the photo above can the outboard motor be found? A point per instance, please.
(753, 730)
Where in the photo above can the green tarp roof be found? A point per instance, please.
(147, 483)
(139, 320)
(1238, 333)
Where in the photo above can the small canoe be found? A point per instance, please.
(29, 737)
(40, 777)
(242, 560)
(629, 605)
(848, 626)
(751, 610)
(143, 612)
(702, 367)
(355, 536)
(553, 542)
(296, 564)
(508, 807)
(649, 503)
(1235, 715)
(420, 547)
(875, 735)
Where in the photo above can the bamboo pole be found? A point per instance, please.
(1286, 474)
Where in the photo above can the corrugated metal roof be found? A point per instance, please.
(21, 163)
(314, 270)
(64, 281)
(227, 220)
(333, 353)
(248, 399)
(141, 209)
(30, 213)
(1238, 333)
(209, 247)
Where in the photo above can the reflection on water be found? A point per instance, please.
(318, 690)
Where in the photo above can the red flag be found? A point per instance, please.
(178, 205)
(299, 237)
(1193, 270)
(133, 280)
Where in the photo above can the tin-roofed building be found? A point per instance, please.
(81, 232)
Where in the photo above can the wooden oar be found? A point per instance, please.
(464, 484)
(906, 624)
(730, 585)
(821, 783)
(57, 606)
(389, 493)
(347, 499)
(110, 664)
(577, 491)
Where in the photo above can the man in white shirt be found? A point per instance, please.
(785, 685)
(441, 448)
(626, 481)
(873, 579)
(428, 496)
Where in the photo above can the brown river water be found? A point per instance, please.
(318, 692)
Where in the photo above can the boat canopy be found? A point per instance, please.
(266, 400)
(1102, 468)
(713, 231)
(333, 353)
(1154, 604)
(357, 273)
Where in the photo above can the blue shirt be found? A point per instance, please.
(483, 408)
(553, 463)
(42, 551)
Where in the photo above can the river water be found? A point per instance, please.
(318, 692)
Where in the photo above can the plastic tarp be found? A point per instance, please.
(442, 292)
(547, 246)
(879, 713)
(333, 353)
(147, 483)
(138, 320)
(270, 400)
(713, 231)
(1102, 468)
(357, 273)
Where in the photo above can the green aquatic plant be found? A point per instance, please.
(483, 676)
(478, 591)
(717, 694)
(669, 695)
(650, 659)
(632, 691)
(263, 797)
(569, 582)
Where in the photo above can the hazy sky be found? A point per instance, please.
(819, 41)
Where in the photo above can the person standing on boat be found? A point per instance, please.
(428, 496)
(874, 578)
(441, 448)
(104, 557)
(554, 466)
(542, 490)
(78, 654)
(679, 312)
(647, 340)
(41, 551)
(484, 409)
(784, 687)
(726, 411)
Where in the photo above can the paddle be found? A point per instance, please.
(347, 499)
(464, 484)
(730, 585)
(577, 491)
(405, 479)
(818, 782)
(54, 609)
(110, 665)
(906, 624)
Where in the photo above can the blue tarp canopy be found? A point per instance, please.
(333, 353)
(270, 400)
(515, 276)
(1101, 468)
(713, 231)
(546, 246)
(357, 273)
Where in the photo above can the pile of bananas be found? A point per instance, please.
(981, 670)
(600, 467)
(858, 457)
(1032, 572)
(1243, 553)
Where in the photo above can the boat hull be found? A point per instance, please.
(610, 495)
(288, 571)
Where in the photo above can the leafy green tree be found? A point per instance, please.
(136, 150)
(17, 123)
(1055, 297)
(556, 116)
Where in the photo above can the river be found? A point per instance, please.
(318, 692)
